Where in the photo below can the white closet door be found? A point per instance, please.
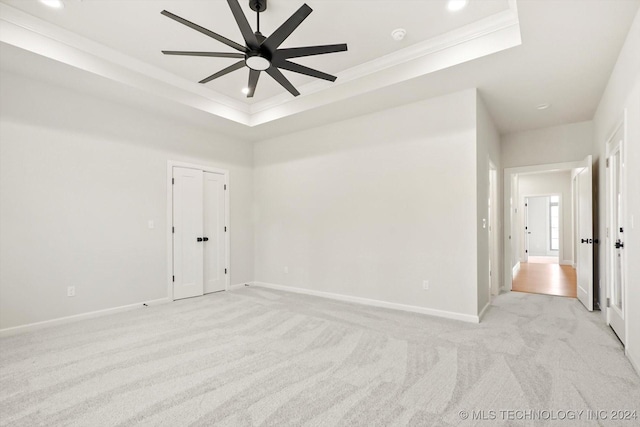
(188, 228)
(214, 233)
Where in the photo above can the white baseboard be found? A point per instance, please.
(238, 286)
(635, 361)
(515, 269)
(483, 312)
(373, 302)
(566, 262)
(68, 319)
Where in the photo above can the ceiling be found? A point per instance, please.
(518, 54)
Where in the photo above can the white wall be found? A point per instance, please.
(79, 179)
(565, 143)
(623, 92)
(487, 151)
(372, 206)
(545, 184)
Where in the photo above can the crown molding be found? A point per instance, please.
(484, 37)
(489, 25)
(28, 32)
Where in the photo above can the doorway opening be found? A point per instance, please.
(546, 220)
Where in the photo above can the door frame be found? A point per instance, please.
(609, 251)
(508, 173)
(225, 172)
(494, 238)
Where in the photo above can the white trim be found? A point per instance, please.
(504, 21)
(36, 35)
(372, 302)
(483, 37)
(76, 317)
(227, 216)
(508, 172)
(238, 286)
(566, 262)
(605, 239)
(635, 361)
(483, 311)
(516, 268)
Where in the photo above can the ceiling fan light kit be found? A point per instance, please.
(260, 53)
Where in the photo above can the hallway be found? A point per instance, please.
(545, 278)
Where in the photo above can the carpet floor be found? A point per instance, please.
(255, 356)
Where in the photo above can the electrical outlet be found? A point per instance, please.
(71, 291)
(425, 285)
(286, 270)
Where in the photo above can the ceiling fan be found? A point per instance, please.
(261, 53)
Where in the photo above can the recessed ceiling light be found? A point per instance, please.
(56, 4)
(245, 90)
(456, 5)
(543, 106)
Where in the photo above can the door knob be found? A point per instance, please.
(199, 239)
(583, 241)
(619, 245)
(206, 239)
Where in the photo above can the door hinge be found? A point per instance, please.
(225, 186)
(173, 181)
(526, 204)
(173, 229)
(607, 166)
(526, 251)
(225, 271)
(225, 229)
(173, 279)
(608, 302)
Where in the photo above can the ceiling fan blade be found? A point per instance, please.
(298, 52)
(280, 78)
(253, 82)
(280, 35)
(221, 73)
(243, 24)
(209, 54)
(301, 69)
(204, 31)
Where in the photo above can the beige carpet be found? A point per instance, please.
(262, 357)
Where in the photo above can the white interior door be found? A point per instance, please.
(527, 232)
(494, 253)
(585, 236)
(537, 226)
(214, 233)
(188, 228)
(615, 236)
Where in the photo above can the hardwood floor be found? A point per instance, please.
(549, 279)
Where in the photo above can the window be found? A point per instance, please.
(554, 223)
